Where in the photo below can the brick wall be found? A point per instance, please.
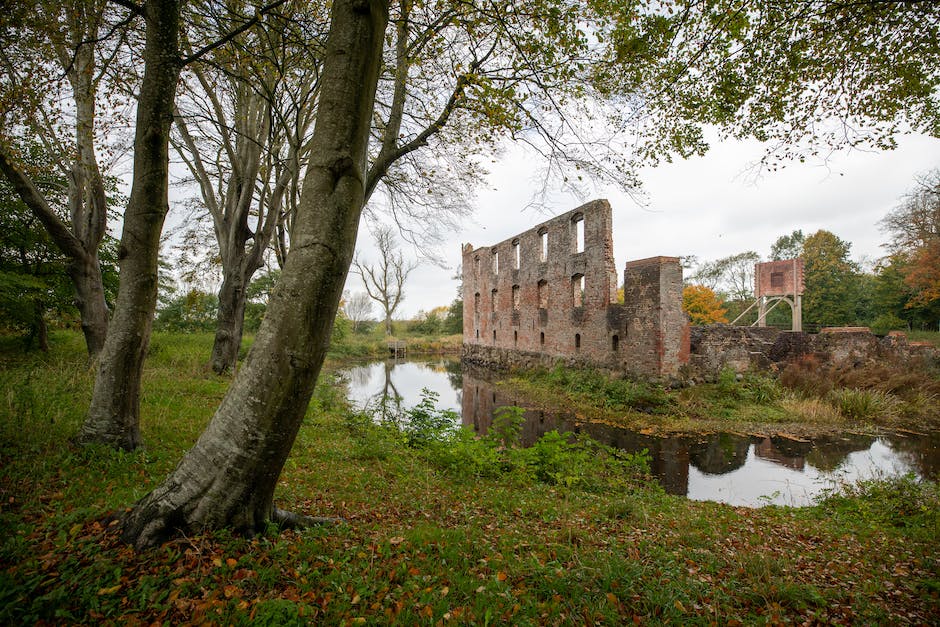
(549, 294)
(778, 278)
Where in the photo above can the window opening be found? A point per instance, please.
(542, 338)
(476, 303)
(515, 338)
(494, 336)
(578, 222)
(515, 255)
(493, 296)
(515, 297)
(495, 261)
(577, 290)
(543, 241)
(543, 294)
(577, 341)
(615, 343)
(776, 279)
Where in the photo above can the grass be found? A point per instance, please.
(558, 538)
(805, 399)
(372, 342)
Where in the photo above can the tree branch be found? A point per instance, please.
(233, 34)
(34, 199)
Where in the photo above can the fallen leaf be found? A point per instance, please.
(110, 590)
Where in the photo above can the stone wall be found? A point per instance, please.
(549, 295)
(716, 347)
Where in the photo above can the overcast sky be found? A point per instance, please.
(709, 206)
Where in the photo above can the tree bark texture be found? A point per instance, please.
(85, 273)
(114, 415)
(228, 478)
(230, 321)
(88, 205)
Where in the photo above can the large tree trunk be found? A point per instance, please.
(85, 273)
(228, 478)
(230, 322)
(114, 415)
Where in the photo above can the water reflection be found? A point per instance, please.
(727, 467)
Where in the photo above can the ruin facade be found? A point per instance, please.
(549, 295)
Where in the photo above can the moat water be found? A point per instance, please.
(725, 467)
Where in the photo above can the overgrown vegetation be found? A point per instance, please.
(555, 459)
(804, 398)
(439, 526)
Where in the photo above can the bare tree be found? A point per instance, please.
(244, 123)
(384, 281)
(358, 308)
(733, 276)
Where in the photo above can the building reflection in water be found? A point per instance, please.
(727, 467)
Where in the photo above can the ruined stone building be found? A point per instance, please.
(550, 294)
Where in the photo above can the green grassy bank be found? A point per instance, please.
(803, 399)
(440, 527)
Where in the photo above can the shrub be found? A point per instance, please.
(888, 322)
(864, 404)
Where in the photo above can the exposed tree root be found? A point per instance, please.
(292, 520)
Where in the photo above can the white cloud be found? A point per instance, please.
(706, 206)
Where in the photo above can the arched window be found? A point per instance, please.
(615, 343)
(493, 299)
(515, 255)
(577, 341)
(516, 296)
(495, 261)
(543, 245)
(542, 338)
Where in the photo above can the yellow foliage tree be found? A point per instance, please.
(702, 305)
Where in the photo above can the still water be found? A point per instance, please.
(725, 467)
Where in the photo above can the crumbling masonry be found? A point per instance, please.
(549, 295)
